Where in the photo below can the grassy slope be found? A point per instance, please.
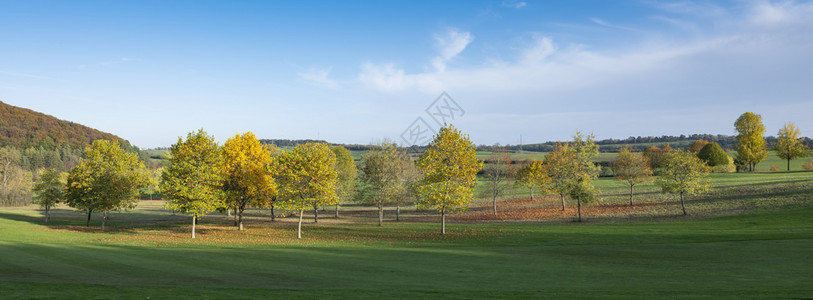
(758, 255)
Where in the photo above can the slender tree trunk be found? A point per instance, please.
(682, 205)
(104, 217)
(47, 214)
(579, 204)
(273, 216)
(299, 229)
(562, 196)
(315, 214)
(380, 214)
(443, 221)
(88, 223)
(194, 222)
(631, 194)
(788, 164)
(337, 211)
(235, 216)
(532, 193)
(397, 212)
(228, 212)
(494, 204)
(240, 218)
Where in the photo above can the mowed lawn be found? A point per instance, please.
(763, 253)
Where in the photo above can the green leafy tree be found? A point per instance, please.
(683, 173)
(559, 165)
(50, 190)
(788, 145)
(533, 176)
(152, 184)
(450, 167)
(632, 168)
(108, 179)
(713, 155)
(307, 178)
(192, 182)
(383, 177)
(581, 187)
(247, 174)
(751, 147)
(498, 170)
(346, 170)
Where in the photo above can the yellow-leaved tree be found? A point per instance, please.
(248, 170)
(450, 167)
(307, 178)
(788, 145)
(193, 179)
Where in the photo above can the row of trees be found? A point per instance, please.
(203, 177)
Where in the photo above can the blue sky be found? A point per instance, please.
(359, 72)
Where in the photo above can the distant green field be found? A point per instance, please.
(749, 238)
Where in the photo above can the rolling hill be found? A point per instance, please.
(25, 128)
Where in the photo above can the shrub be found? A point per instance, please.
(774, 169)
(713, 154)
(808, 166)
(727, 168)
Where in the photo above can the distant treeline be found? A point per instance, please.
(727, 142)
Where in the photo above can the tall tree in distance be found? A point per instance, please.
(382, 178)
(50, 190)
(498, 170)
(683, 173)
(107, 180)
(307, 178)
(534, 175)
(450, 167)
(559, 165)
(632, 168)
(788, 146)
(192, 182)
(750, 141)
(581, 187)
(346, 170)
(247, 173)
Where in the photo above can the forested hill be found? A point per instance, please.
(25, 128)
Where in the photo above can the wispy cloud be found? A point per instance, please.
(319, 77)
(450, 45)
(115, 62)
(514, 4)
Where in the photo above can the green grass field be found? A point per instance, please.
(760, 248)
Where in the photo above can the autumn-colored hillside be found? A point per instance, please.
(25, 128)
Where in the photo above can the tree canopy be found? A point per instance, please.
(788, 145)
(107, 180)
(50, 190)
(751, 147)
(306, 178)
(450, 167)
(193, 179)
(713, 155)
(248, 170)
(683, 173)
(632, 168)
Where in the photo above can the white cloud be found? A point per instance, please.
(513, 4)
(449, 46)
(319, 77)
